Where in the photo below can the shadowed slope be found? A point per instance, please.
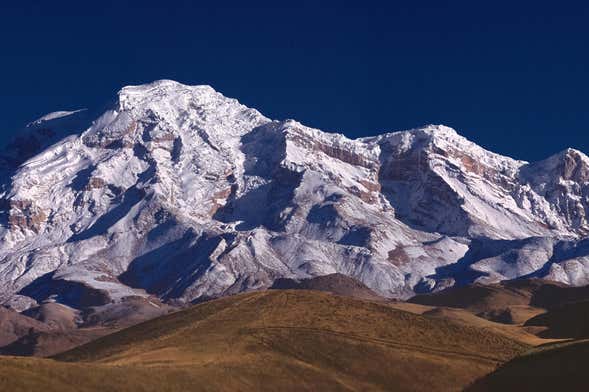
(13, 325)
(466, 318)
(560, 367)
(570, 320)
(476, 297)
(509, 302)
(52, 328)
(55, 315)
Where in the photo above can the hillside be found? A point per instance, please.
(570, 320)
(338, 284)
(14, 325)
(560, 367)
(265, 340)
(508, 302)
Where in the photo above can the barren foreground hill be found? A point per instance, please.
(560, 367)
(278, 339)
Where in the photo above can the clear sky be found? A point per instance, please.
(511, 76)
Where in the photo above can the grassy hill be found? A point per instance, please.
(286, 340)
(508, 302)
(559, 367)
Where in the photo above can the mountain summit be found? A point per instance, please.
(182, 193)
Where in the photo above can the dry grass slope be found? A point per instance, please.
(337, 284)
(508, 303)
(559, 367)
(286, 340)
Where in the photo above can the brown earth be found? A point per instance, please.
(338, 284)
(560, 367)
(14, 325)
(509, 302)
(274, 340)
(52, 328)
(54, 315)
(341, 336)
(570, 320)
(466, 318)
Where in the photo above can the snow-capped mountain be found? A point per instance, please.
(184, 194)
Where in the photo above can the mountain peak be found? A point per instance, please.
(174, 106)
(568, 164)
(181, 192)
(437, 130)
(164, 90)
(574, 153)
(445, 141)
(163, 85)
(568, 156)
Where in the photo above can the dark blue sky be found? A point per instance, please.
(511, 76)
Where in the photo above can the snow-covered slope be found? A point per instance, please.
(182, 193)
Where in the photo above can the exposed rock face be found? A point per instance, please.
(563, 181)
(24, 215)
(184, 194)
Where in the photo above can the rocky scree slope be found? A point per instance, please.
(180, 193)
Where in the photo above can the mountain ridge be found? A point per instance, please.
(180, 193)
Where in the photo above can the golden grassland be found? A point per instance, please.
(275, 340)
(516, 332)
